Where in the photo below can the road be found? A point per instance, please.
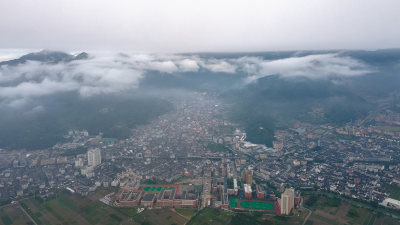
(23, 210)
(308, 216)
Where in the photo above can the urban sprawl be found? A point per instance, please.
(194, 157)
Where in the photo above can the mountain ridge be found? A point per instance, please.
(46, 56)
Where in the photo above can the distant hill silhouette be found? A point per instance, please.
(45, 56)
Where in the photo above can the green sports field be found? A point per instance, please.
(233, 202)
(256, 205)
(246, 204)
(156, 188)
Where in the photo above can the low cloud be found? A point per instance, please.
(100, 74)
(109, 73)
(34, 89)
(188, 65)
(219, 66)
(87, 77)
(163, 66)
(312, 66)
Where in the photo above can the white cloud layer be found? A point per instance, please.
(188, 65)
(110, 73)
(311, 66)
(219, 66)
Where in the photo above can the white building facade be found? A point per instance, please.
(94, 157)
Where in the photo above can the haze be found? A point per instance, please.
(193, 26)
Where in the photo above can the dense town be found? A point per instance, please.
(195, 157)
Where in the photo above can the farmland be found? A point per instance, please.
(13, 214)
(69, 209)
(326, 214)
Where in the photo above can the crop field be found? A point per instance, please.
(72, 209)
(212, 217)
(394, 191)
(160, 216)
(221, 217)
(328, 215)
(13, 214)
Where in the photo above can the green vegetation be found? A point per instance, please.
(211, 217)
(29, 211)
(73, 209)
(257, 205)
(6, 220)
(273, 102)
(352, 213)
(216, 217)
(159, 216)
(114, 116)
(218, 147)
(358, 203)
(346, 111)
(332, 210)
(333, 202)
(178, 180)
(281, 218)
(58, 211)
(5, 202)
(116, 218)
(74, 152)
(229, 182)
(311, 201)
(129, 212)
(241, 219)
(394, 191)
(67, 208)
(259, 125)
(233, 202)
(362, 216)
(156, 188)
(64, 200)
(187, 212)
(93, 212)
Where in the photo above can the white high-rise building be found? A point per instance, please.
(79, 162)
(287, 201)
(94, 157)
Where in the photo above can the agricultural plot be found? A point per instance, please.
(13, 214)
(72, 209)
(211, 217)
(346, 214)
(160, 216)
(217, 217)
(188, 213)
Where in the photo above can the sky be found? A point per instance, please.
(175, 26)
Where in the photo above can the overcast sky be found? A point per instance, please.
(199, 25)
